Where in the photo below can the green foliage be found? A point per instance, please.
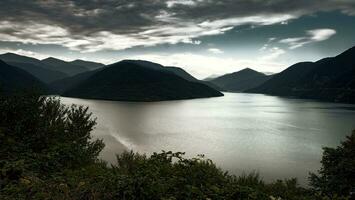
(44, 134)
(165, 175)
(337, 175)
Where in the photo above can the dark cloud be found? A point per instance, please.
(84, 24)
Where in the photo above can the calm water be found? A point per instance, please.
(277, 137)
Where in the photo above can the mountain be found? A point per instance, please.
(176, 70)
(139, 81)
(147, 64)
(43, 74)
(329, 79)
(11, 57)
(211, 77)
(62, 66)
(13, 78)
(32, 66)
(67, 83)
(182, 73)
(240, 81)
(87, 64)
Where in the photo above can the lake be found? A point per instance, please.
(277, 137)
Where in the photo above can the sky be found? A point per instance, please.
(204, 37)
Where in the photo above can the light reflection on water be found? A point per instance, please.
(278, 137)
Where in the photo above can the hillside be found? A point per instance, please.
(240, 81)
(33, 66)
(13, 79)
(63, 66)
(182, 73)
(43, 74)
(211, 77)
(87, 64)
(67, 83)
(11, 57)
(134, 81)
(329, 79)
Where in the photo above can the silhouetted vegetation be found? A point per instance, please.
(46, 152)
(337, 175)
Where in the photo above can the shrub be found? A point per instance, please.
(44, 134)
(337, 174)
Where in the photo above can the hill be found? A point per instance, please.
(139, 81)
(87, 64)
(62, 85)
(329, 79)
(33, 66)
(11, 57)
(13, 79)
(240, 81)
(182, 73)
(43, 74)
(211, 77)
(66, 83)
(63, 66)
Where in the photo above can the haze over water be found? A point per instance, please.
(278, 137)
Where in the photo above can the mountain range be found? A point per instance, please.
(50, 69)
(87, 64)
(13, 79)
(240, 81)
(131, 80)
(65, 67)
(329, 79)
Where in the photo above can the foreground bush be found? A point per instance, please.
(337, 175)
(46, 152)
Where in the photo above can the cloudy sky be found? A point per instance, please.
(205, 37)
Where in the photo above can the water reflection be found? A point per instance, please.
(241, 132)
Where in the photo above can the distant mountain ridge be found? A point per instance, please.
(329, 79)
(240, 81)
(63, 66)
(13, 79)
(11, 57)
(33, 66)
(70, 82)
(129, 80)
(51, 69)
(87, 64)
(139, 81)
(62, 85)
(43, 74)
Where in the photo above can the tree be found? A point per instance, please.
(45, 135)
(337, 174)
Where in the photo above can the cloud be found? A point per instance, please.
(272, 53)
(215, 51)
(91, 25)
(172, 3)
(180, 32)
(321, 34)
(316, 35)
